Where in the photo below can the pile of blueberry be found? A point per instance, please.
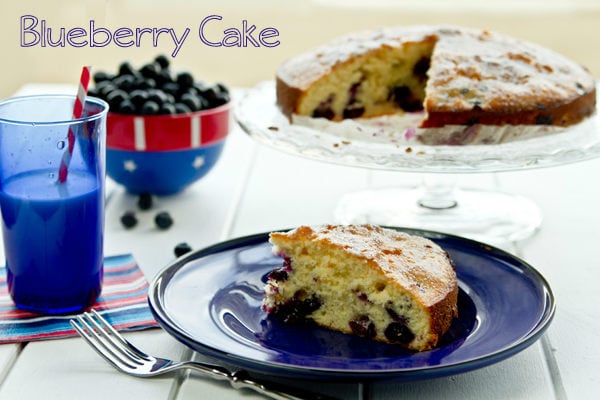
(154, 90)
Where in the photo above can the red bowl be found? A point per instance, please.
(162, 154)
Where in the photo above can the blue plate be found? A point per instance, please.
(211, 301)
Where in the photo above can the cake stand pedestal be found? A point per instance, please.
(438, 204)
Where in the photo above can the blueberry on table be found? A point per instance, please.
(163, 220)
(181, 249)
(144, 201)
(128, 219)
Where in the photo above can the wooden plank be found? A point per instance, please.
(524, 376)
(565, 251)
(69, 368)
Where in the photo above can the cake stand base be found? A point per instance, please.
(488, 216)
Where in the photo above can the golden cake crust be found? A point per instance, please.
(414, 264)
(475, 76)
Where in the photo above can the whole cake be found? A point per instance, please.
(364, 280)
(457, 76)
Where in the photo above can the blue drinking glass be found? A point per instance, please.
(52, 231)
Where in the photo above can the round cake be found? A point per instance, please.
(456, 76)
(364, 280)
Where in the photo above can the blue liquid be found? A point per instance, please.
(53, 240)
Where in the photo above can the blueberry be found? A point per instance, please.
(185, 79)
(146, 83)
(222, 88)
(421, 67)
(150, 70)
(353, 111)
(126, 107)
(149, 108)
(139, 97)
(125, 68)
(124, 82)
(324, 109)
(279, 274)
(116, 97)
(163, 76)
(167, 108)
(104, 88)
(162, 61)
(210, 94)
(157, 96)
(128, 219)
(220, 99)
(144, 201)
(363, 327)
(193, 102)
(181, 108)
(405, 99)
(297, 309)
(163, 220)
(93, 92)
(170, 87)
(399, 332)
(101, 76)
(181, 249)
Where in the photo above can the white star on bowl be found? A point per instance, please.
(130, 165)
(198, 162)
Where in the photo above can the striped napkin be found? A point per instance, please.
(123, 302)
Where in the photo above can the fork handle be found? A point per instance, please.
(241, 380)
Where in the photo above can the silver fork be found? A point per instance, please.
(127, 358)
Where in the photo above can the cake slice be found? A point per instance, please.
(364, 280)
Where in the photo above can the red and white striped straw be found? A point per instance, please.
(84, 81)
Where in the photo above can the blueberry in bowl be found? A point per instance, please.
(165, 130)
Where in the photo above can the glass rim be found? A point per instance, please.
(89, 99)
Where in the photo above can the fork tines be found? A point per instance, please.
(107, 342)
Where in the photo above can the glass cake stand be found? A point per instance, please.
(438, 203)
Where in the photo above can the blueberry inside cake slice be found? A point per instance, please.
(364, 280)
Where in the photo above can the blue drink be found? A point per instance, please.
(53, 240)
(52, 231)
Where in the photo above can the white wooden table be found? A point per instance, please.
(254, 189)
